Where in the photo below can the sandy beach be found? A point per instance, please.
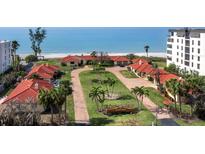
(61, 55)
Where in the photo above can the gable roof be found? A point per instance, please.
(119, 58)
(28, 90)
(45, 71)
(139, 60)
(70, 58)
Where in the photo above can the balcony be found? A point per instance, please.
(187, 50)
(169, 46)
(187, 43)
(169, 52)
(187, 57)
(170, 40)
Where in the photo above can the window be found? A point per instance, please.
(177, 53)
(172, 33)
(181, 61)
(192, 49)
(181, 54)
(177, 59)
(182, 41)
(177, 47)
(192, 64)
(198, 42)
(192, 42)
(192, 57)
(177, 40)
(181, 47)
(198, 66)
(186, 63)
(198, 58)
(198, 51)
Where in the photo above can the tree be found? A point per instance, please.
(37, 38)
(94, 53)
(173, 86)
(131, 56)
(65, 89)
(146, 47)
(172, 68)
(140, 92)
(47, 100)
(17, 62)
(14, 46)
(97, 94)
(31, 58)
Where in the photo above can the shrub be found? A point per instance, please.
(150, 78)
(99, 68)
(31, 58)
(119, 109)
(63, 64)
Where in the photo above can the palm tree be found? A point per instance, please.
(173, 86)
(66, 89)
(47, 100)
(146, 47)
(94, 54)
(60, 99)
(14, 46)
(140, 92)
(97, 95)
(17, 62)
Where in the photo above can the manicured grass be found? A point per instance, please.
(155, 97)
(70, 109)
(128, 74)
(161, 64)
(182, 122)
(143, 117)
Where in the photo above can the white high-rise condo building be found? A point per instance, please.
(5, 56)
(186, 49)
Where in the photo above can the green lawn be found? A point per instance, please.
(161, 64)
(155, 97)
(128, 74)
(182, 122)
(143, 117)
(70, 109)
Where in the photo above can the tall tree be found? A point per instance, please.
(37, 36)
(140, 92)
(146, 47)
(173, 87)
(14, 46)
(65, 89)
(94, 53)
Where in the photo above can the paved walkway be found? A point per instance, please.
(81, 113)
(163, 115)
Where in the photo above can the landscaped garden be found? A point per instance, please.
(119, 106)
(128, 74)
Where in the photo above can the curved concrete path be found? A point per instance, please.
(81, 113)
(130, 83)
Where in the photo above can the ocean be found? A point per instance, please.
(84, 40)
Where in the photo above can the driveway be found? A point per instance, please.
(130, 83)
(81, 113)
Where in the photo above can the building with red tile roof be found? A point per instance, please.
(120, 60)
(44, 71)
(139, 60)
(28, 90)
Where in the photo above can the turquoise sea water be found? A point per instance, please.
(78, 40)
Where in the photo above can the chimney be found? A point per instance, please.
(140, 62)
(36, 86)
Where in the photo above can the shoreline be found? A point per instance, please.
(61, 55)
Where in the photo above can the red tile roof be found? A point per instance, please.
(139, 60)
(28, 90)
(167, 77)
(119, 58)
(71, 59)
(87, 57)
(44, 71)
